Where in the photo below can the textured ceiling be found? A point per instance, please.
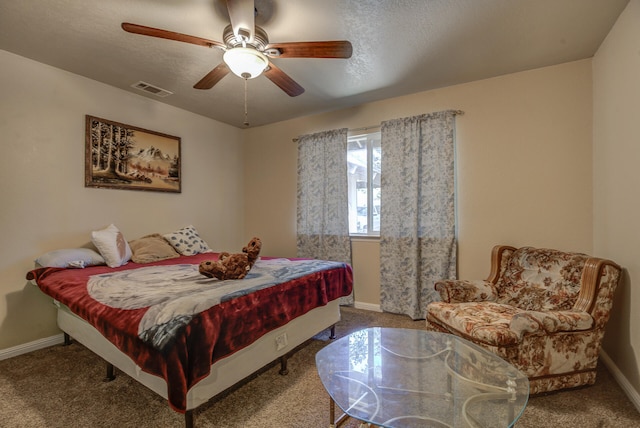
(399, 46)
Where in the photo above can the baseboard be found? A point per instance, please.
(367, 306)
(628, 389)
(31, 346)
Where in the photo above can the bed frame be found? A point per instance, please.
(226, 372)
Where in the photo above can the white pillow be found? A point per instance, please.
(187, 242)
(70, 258)
(112, 246)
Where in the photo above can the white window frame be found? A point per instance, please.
(367, 140)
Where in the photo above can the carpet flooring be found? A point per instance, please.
(62, 386)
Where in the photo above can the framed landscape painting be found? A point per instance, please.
(122, 156)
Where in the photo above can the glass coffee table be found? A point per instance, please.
(406, 378)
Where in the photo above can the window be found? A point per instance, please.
(363, 158)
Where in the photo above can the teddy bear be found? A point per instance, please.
(232, 266)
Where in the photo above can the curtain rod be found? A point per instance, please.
(366, 128)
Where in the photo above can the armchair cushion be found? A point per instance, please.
(540, 279)
(453, 291)
(498, 324)
(486, 322)
(534, 322)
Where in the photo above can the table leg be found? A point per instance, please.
(511, 388)
(332, 413)
(333, 422)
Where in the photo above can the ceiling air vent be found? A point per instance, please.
(146, 87)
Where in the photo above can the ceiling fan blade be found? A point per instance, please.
(283, 81)
(171, 35)
(242, 16)
(331, 49)
(213, 77)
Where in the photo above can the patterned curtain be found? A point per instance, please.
(323, 206)
(417, 231)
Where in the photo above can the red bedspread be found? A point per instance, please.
(209, 335)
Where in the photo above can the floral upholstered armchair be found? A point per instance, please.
(542, 310)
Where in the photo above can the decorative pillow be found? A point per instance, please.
(70, 258)
(187, 242)
(112, 246)
(151, 248)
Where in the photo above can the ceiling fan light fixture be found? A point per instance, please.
(247, 63)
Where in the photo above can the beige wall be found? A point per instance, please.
(45, 206)
(524, 165)
(616, 83)
(527, 175)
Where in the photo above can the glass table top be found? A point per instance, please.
(416, 378)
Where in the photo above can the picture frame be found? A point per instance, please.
(120, 156)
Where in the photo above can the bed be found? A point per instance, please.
(188, 337)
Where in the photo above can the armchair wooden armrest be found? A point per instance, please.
(499, 258)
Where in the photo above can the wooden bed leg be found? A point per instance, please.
(188, 419)
(332, 335)
(283, 366)
(67, 339)
(111, 375)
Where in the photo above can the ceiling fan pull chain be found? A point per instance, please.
(246, 115)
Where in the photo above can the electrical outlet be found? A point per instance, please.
(281, 341)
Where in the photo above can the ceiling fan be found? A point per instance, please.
(247, 49)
